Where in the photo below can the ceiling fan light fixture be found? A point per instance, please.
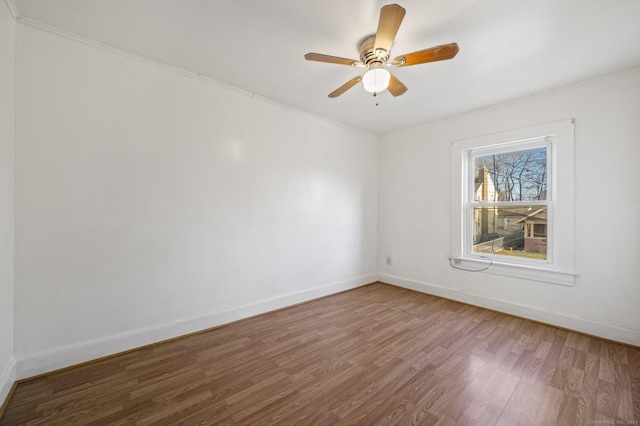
(376, 80)
(374, 55)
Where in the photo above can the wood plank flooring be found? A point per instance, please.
(374, 355)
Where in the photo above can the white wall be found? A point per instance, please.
(414, 214)
(150, 204)
(7, 109)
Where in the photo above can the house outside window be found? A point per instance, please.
(512, 203)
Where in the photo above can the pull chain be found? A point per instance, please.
(375, 95)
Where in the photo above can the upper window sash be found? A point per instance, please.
(505, 148)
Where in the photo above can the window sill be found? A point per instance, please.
(526, 272)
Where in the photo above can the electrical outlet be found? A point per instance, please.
(389, 260)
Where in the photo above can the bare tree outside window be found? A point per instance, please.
(517, 176)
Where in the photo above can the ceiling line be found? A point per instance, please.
(13, 9)
(180, 71)
(549, 92)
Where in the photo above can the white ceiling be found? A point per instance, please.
(508, 48)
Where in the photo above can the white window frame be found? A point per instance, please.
(559, 265)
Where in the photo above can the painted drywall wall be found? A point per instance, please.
(7, 110)
(414, 214)
(150, 204)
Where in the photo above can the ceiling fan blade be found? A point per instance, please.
(319, 57)
(396, 88)
(348, 85)
(391, 17)
(433, 54)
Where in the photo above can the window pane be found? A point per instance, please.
(511, 231)
(511, 176)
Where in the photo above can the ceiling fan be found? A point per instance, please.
(374, 55)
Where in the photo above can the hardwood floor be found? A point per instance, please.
(374, 355)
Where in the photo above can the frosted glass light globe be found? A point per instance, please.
(376, 80)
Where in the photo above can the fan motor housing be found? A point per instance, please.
(369, 57)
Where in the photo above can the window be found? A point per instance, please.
(512, 203)
(508, 199)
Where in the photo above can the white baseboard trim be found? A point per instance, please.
(7, 379)
(594, 328)
(58, 358)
